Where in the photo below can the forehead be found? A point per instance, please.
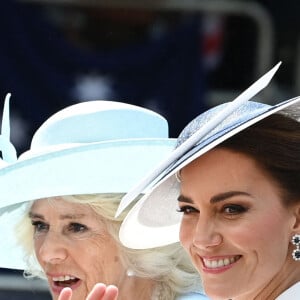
(60, 206)
(221, 169)
(216, 159)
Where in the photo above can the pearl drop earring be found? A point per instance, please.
(130, 273)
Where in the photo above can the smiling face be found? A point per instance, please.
(235, 227)
(73, 247)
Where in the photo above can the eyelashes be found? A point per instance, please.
(39, 226)
(227, 209)
(234, 209)
(187, 209)
(71, 228)
(77, 228)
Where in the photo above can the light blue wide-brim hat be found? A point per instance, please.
(86, 148)
(154, 220)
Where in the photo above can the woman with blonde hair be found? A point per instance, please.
(59, 199)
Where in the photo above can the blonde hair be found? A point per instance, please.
(168, 266)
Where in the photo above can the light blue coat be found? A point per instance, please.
(192, 296)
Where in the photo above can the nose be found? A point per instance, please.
(52, 248)
(206, 234)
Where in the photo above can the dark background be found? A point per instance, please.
(177, 62)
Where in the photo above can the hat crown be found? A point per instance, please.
(95, 147)
(243, 113)
(99, 121)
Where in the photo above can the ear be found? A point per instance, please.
(296, 213)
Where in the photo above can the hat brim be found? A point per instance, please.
(104, 167)
(154, 221)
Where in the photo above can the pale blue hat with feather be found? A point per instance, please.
(86, 148)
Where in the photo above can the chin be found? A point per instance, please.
(214, 293)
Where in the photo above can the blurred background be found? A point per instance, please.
(175, 57)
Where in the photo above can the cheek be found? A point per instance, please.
(273, 232)
(102, 262)
(265, 233)
(37, 244)
(90, 258)
(186, 233)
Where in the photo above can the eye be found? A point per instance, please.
(234, 209)
(77, 228)
(186, 210)
(40, 226)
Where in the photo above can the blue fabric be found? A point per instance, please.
(40, 68)
(192, 296)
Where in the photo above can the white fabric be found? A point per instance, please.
(293, 293)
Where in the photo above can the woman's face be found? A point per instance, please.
(234, 226)
(73, 247)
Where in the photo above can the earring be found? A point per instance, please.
(130, 273)
(296, 242)
(177, 176)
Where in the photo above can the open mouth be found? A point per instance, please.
(65, 281)
(220, 263)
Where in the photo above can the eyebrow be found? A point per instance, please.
(33, 215)
(217, 198)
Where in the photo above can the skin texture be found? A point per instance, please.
(99, 292)
(69, 239)
(233, 217)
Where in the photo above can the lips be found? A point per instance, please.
(59, 281)
(65, 280)
(218, 263)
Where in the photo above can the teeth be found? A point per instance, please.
(213, 264)
(63, 278)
